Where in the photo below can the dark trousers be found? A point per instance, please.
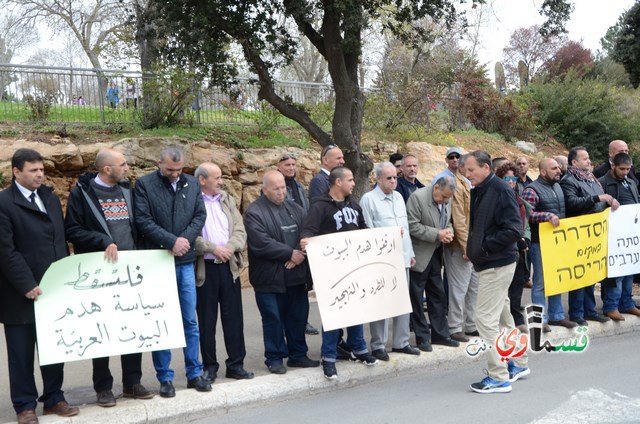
(582, 303)
(21, 342)
(521, 276)
(429, 281)
(131, 372)
(221, 289)
(284, 318)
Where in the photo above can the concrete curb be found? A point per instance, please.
(190, 405)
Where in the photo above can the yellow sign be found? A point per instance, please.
(574, 254)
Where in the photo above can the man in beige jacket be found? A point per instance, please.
(219, 251)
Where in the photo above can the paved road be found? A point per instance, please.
(597, 386)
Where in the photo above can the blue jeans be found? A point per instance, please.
(355, 340)
(284, 316)
(582, 303)
(186, 279)
(619, 298)
(555, 311)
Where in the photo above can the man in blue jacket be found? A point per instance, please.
(170, 214)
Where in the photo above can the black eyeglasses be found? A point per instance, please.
(327, 148)
(452, 157)
(391, 177)
(288, 156)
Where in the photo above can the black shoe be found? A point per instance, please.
(209, 375)
(380, 354)
(446, 342)
(167, 390)
(598, 318)
(343, 352)
(277, 368)
(305, 362)
(137, 391)
(106, 398)
(311, 330)
(581, 322)
(473, 333)
(199, 384)
(408, 349)
(239, 374)
(425, 346)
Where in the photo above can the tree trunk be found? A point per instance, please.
(147, 41)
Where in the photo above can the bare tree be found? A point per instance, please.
(94, 23)
(530, 47)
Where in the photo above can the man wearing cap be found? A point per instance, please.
(452, 157)
(219, 262)
(331, 157)
(295, 193)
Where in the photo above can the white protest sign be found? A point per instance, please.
(90, 308)
(359, 276)
(624, 241)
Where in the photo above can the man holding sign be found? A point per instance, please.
(583, 195)
(32, 228)
(332, 213)
(100, 218)
(618, 297)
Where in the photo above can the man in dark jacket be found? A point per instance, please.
(330, 157)
(618, 296)
(32, 228)
(494, 230)
(332, 213)
(170, 214)
(278, 272)
(295, 193)
(100, 218)
(583, 195)
(615, 147)
(547, 205)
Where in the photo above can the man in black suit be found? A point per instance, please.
(32, 228)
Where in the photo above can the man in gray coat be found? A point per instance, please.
(429, 216)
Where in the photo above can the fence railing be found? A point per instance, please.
(102, 96)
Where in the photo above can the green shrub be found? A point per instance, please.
(589, 113)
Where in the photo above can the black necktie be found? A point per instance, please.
(32, 198)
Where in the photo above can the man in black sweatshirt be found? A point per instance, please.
(332, 213)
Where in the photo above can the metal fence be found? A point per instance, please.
(102, 96)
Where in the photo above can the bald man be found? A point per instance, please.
(278, 273)
(615, 147)
(100, 218)
(562, 163)
(218, 266)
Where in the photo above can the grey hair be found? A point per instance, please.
(379, 167)
(446, 182)
(173, 152)
(201, 171)
(462, 159)
(408, 155)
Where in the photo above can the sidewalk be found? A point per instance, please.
(265, 387)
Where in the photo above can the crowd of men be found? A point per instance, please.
(467, 254)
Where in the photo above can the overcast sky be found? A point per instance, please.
(589, 22)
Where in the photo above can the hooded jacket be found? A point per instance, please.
(328, 216)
